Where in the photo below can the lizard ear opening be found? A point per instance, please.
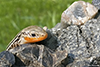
(33, 35)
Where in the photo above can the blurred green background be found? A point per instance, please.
(18, 14)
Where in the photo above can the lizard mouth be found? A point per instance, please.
(33, 39)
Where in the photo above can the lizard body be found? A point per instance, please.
(30, 34)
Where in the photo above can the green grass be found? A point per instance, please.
(18, 14)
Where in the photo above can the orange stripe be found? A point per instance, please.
(33, 40)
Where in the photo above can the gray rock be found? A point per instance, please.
(81, 42)
(7, 59)
(78, 64)
(72, 41)
(95, 62)
(38, 55)
(91, 33)
(78, 13)
(96, 3)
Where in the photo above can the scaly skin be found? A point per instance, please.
(30, 34)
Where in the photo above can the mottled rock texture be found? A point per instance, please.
(82, 43)
(74, 42)
(78, 13)
(96, 3)
(36, 55)
(7, 59)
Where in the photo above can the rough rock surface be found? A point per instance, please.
(96, 3)
(82, 43)
(7, 59)
(68, 44)
(38, 56)
(78, 13)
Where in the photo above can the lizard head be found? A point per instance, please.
(34, 34)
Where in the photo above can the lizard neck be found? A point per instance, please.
(16, 41)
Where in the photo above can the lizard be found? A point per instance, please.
(30, 34)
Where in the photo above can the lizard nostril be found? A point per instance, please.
(33, 35)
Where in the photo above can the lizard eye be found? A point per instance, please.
(33, 35)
